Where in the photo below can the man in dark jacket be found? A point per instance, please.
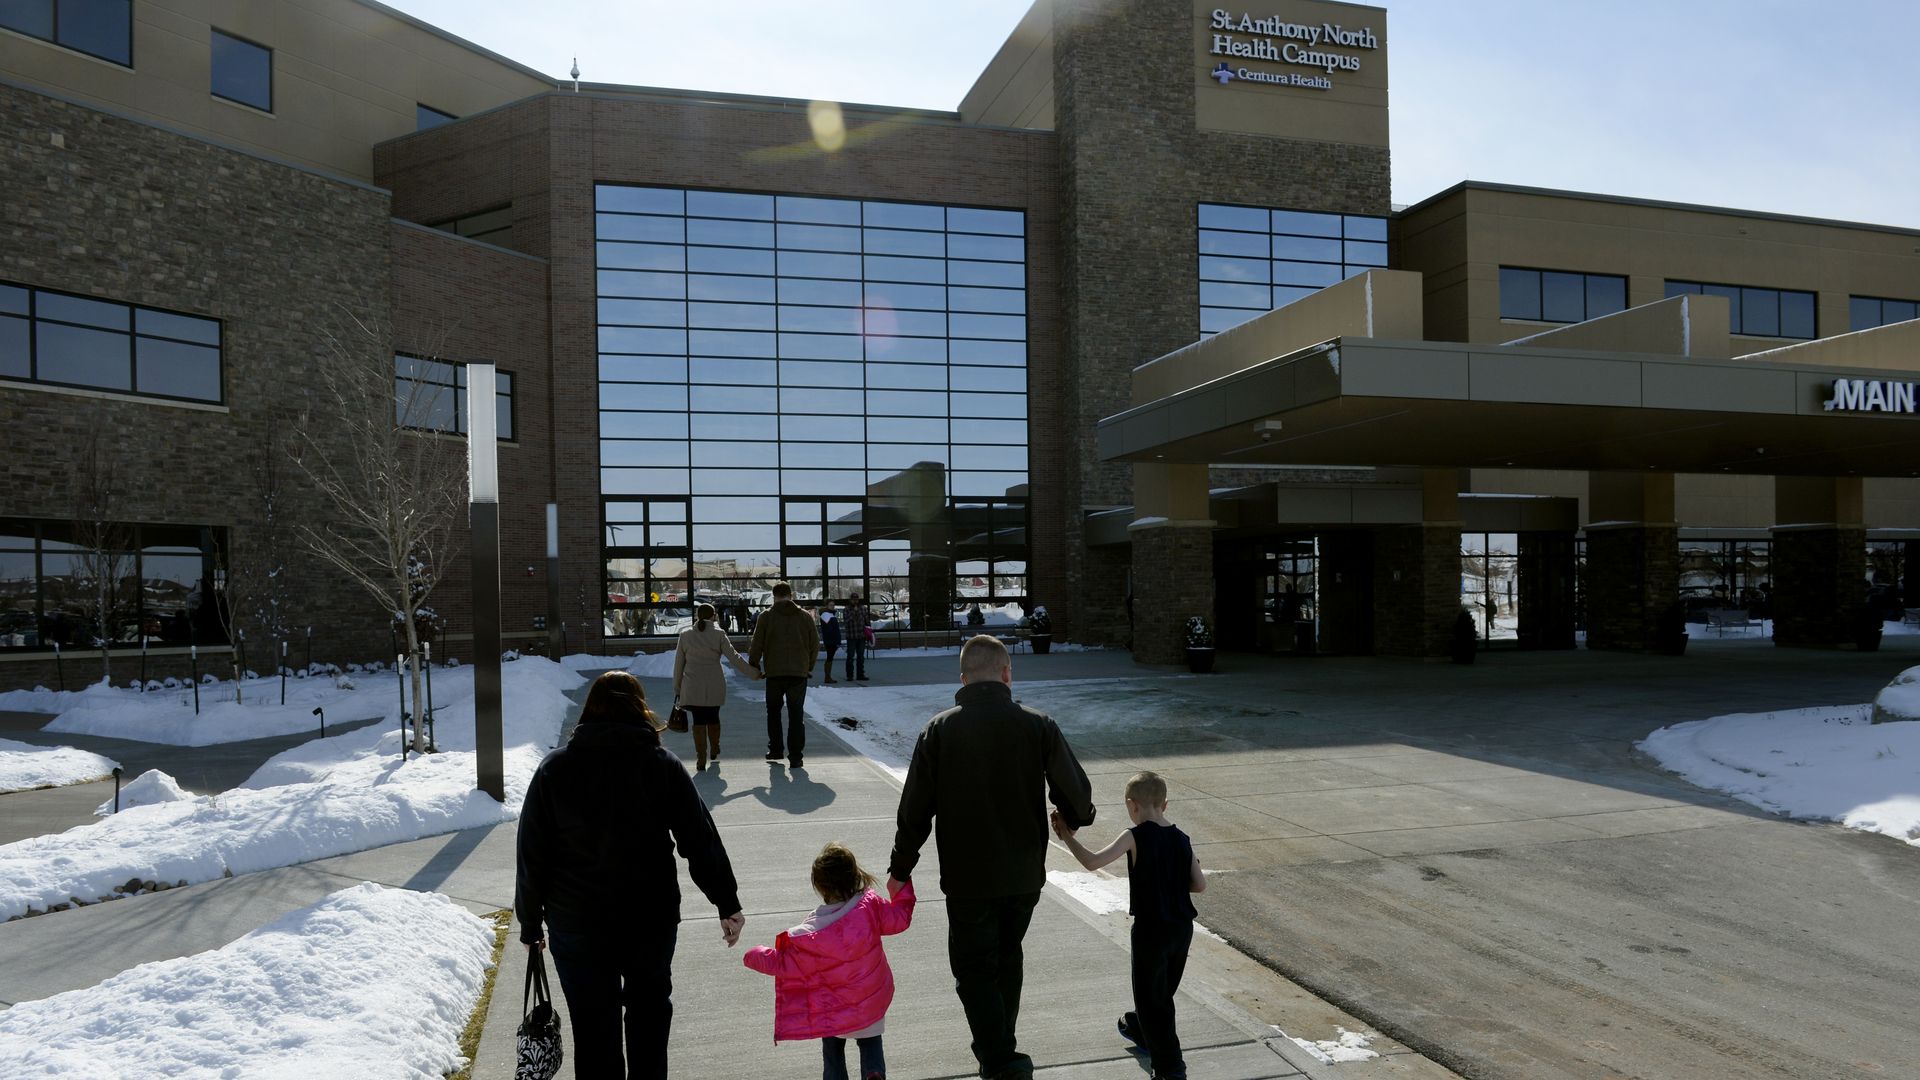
(598, 829)
(785, 642)
(982, 772)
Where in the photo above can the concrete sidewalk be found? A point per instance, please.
(774, 820)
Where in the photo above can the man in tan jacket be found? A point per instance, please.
(785, 644)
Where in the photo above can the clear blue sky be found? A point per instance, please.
(1806, 108)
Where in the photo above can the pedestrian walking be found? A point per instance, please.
(981, 775)
(700, 683)
(602, 818)
(856, 624)
(829, 638)
(785, 642)
(831, 980)
(1162, 876)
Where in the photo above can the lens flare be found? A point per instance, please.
(829, 125)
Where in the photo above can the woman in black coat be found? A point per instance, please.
(602, 817)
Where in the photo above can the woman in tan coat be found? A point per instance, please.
(700, 684)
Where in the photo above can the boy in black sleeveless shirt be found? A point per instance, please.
(1162, 875)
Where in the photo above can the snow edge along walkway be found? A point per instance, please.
(369, 983)
(328, 797)
(25, 767)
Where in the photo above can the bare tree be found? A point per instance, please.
(259, 586)
(103, 557)
(395, 491)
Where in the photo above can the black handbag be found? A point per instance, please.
(536, 1046)
(677, 719)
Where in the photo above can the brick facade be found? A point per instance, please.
(1132, 166)
(1416, 589)
(124, 211)
(1632, 578)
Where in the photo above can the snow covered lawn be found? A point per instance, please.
(327, 797)
(167, 716)
(1828, 762)
(23, 766)
(369, 983)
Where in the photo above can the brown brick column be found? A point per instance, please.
(1819, 583)
(1416, 589)
(1172, 580)
(1633, 575)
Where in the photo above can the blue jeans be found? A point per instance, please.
(857, 655)
(604, 976)
(834, 1051)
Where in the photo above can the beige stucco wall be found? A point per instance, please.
(1463, 238)
(346, 75)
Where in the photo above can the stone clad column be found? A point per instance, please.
(1819, 559)
(1172, 541)
(1633, 558)
(1416, 574)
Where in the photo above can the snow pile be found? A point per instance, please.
(167, 716)
(324, 798)
(657, 665)
(368, 983)
(148, 789)
(1098, 893)
(37, 700)
(590, 662)
(23, 766)
(1827, 762)
(1348, 1046)
(1900, 700)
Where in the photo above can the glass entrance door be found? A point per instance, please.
(1490, 584)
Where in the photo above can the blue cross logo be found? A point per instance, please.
(1223, 74)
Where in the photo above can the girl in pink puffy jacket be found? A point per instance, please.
(830, 976)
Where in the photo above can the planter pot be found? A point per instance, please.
(1042, 643)
(1199, 661)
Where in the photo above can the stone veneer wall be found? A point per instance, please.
(1819, 584)
(1414, 616)
(1632, 576)
(124, 211)
(1132, 165)
(1172, 580)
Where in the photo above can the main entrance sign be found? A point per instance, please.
(1872, 395)
(1291, 69)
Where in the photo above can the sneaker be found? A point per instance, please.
(775, 755)
(1130, 1029)
(796, 763)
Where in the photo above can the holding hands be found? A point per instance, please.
(1060, 826)
(730, 927)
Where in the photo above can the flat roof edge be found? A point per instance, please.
(445, 235)
(1657, 204)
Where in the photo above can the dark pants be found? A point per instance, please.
(1159, 959)
(857, 655)
(604, 976)
(833, 1052)
(792, 689)
(983, 948)
(829, 650)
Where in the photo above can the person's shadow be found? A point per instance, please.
(787, 790)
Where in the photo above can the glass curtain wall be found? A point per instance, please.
(1254, 260)
(822, 390)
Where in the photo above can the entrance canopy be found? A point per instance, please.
(1368, 401)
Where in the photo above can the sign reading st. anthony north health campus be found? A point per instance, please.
(1273, 40)
(1871, 395)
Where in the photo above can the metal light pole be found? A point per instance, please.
(556, 634)
(483, 493)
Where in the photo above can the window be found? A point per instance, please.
(493, 226)
(1559, 296)
(1781, 313)
(66, 340)
(99, 28)
(160, 584)
(787, 366)
(431, 395)
(1254, 260)
(1867, 312)
(242, 71)
(426, 116)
